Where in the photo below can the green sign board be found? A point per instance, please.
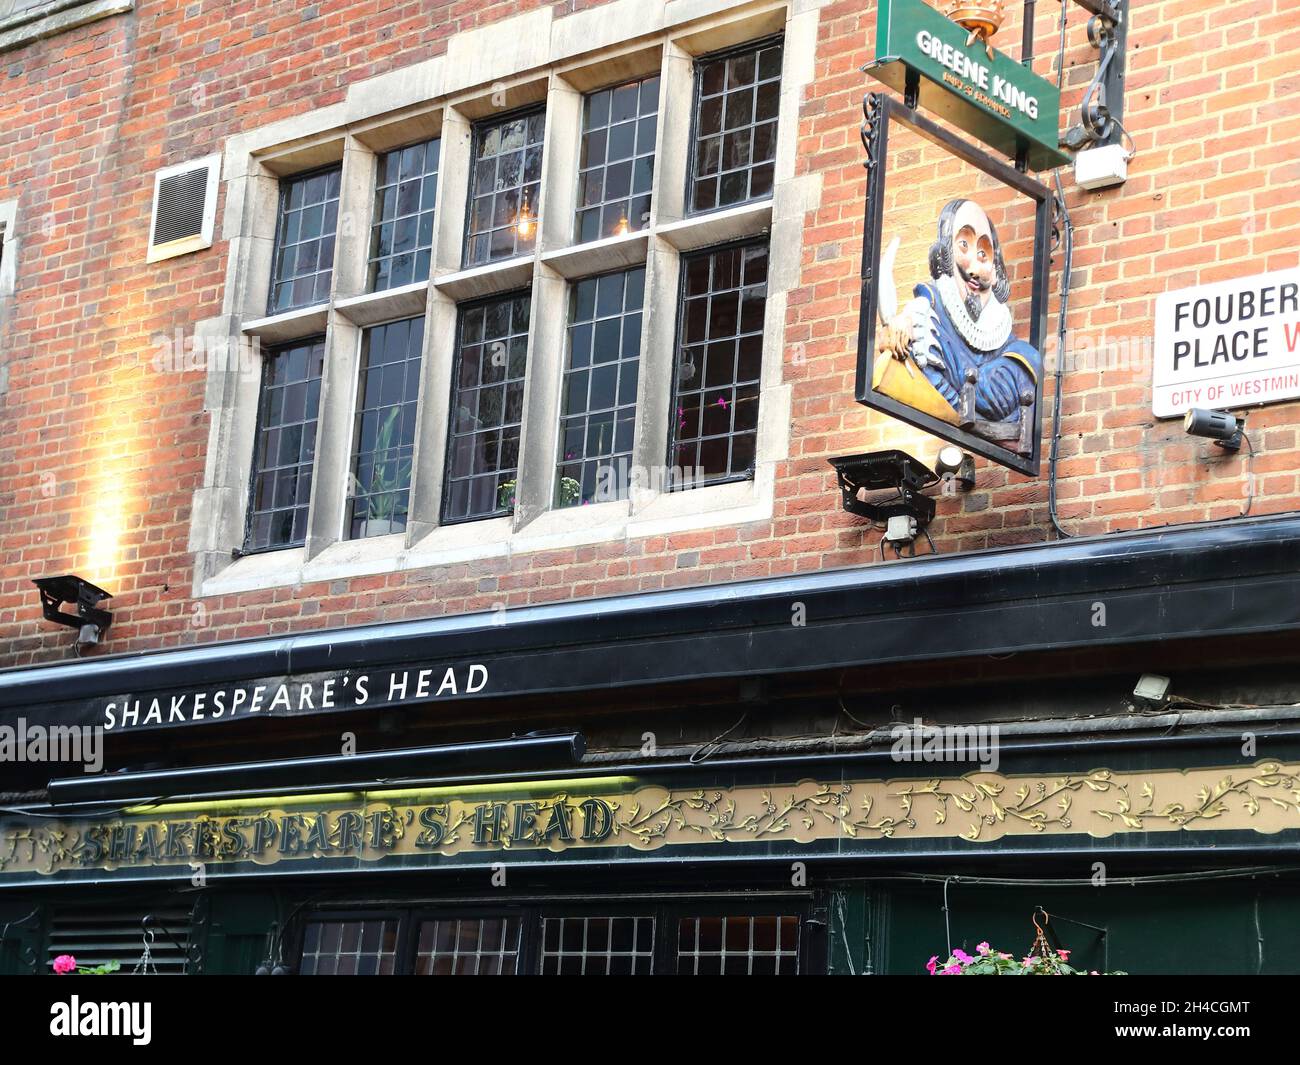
(995, 99)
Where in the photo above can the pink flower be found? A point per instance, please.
(1004, 956)
(1064, 954)
(65, 963)
(952, 970)
(1028, 963)
(932, 964)
(984, 948)
(962, 956)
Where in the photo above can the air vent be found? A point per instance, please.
(184, 208)
(96, 936)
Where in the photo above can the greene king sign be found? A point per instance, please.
(1230, 344)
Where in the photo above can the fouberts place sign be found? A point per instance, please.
(978, 89)
(607, 818)
(1229, 344)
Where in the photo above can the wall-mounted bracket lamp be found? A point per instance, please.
(89, 621)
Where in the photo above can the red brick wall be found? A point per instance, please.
(98, 460)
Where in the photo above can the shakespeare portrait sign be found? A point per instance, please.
(954, 283)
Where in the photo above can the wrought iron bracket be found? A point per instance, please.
(1101, 119)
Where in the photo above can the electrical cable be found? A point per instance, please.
(1067, 257)
(1250, 473)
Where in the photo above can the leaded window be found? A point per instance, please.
(719, 362)
(304, 241)
(487, 405)
(349, 948)
(505, 187)
(285, 446)
(600, 387)
(737, 100)
(738, 946)
(617, 163)
(384, 440)
(475, 946)
(598, 946)
(401, 238)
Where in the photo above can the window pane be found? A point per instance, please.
(304, 243)
(384, 434)
(600, 386)
(597, 946)
(347, 948)
(738, 946)
(478, 946)
(735, 127)
(616, 166)
(505, 183)
(719, 365)
(486, 409)
(285, 446)
(401, 235)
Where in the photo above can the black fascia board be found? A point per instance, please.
(1227, 578)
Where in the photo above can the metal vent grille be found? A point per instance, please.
(179, 212)
(95, 937)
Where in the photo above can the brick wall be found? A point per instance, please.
(99, 458)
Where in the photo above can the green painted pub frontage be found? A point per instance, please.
(843, 772)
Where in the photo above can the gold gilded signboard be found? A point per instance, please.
(454, 826)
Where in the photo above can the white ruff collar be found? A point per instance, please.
(993, 327)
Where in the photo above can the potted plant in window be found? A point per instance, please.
(570, 489)
(388, 481)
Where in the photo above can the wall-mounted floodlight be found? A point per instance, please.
(1218, 425)
(89, 621)
(1152, 689)
(953, 463)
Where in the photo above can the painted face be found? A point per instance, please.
(972, 252)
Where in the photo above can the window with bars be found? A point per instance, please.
(304, 241)
(285, 446)
(738, 946)
(487, 405)
(719, 363)
(600, 387)
(505, 188)
(477, 946)
(384, 437)
(350, 948)
(738, 97)
(598, 946)
(617, 161)
(401, 237)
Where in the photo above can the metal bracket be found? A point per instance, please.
(1102, 110)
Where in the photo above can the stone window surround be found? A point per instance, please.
(524, 59)
(8, 277)
(35, 22)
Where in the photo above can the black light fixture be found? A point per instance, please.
(904, 514)
(952, 463)
(1218, 425)
(89, 621)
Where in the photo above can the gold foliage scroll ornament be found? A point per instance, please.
(436, 828)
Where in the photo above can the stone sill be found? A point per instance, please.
(57, 16)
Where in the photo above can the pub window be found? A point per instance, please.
(505, 186)
(479, 946)
(384, 436)
(600, 387)
(487, 405)
(598, 946)
(737, 100)
(738, 946)
(350, 948)
(401, 238)
(617, 162)
(714, 427)
(285, 446)
(304, 241)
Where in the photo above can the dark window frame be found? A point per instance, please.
(461, 310)
(697, 93)
(285, 184)
(372, 258)
(666, 912)
(254, 469)
(476, 131)
(679, 342)
(583, 133)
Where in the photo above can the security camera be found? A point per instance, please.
(1217, 425)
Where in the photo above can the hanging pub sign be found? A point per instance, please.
(955, 262)
(951, 70)
(1228, 344)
